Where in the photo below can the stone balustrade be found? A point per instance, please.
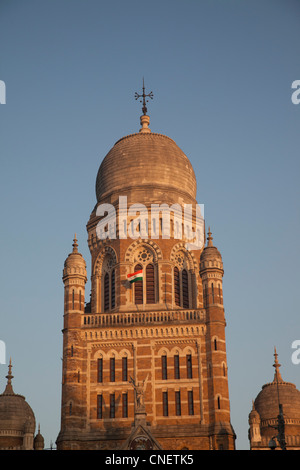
(143, 318)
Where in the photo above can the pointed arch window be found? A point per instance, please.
(138, 288)
(150, 285)
(177, 286)
(106, 292)
(109, 290)
(185, 289)
(113, 289)
(181, 288)
(145, 290)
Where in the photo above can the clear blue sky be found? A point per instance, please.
(221, 74)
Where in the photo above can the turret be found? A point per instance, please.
(254, 426)
(74, 278)
(211, 272)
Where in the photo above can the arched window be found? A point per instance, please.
(138, 288)
(113, 290)
(150, 286)
(106, 292)
(212, 293)
(177, 286)
(185, 289)
(73, 299)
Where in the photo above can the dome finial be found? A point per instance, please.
(9, 389)
(144, 96)
(75, 245)
(145, 120)
(209, 238)
(277, 375)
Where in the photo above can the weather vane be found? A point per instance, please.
(144, 96)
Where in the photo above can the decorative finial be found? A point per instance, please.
(209, 238)
(277, 375)
(9, 389)
(75, 245)
(144, 96)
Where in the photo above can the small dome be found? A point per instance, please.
(39, 441)
(146, 161)
(15, 413)
(75, 263)
(210, 253)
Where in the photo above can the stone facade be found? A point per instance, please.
(167, 330)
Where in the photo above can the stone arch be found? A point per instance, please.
(188, 350)
(148, 244)
(163, 352)
(107, 250)
(190, 258)
(176, 350)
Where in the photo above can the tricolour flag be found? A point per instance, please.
(137, 276)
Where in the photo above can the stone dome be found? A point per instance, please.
(210, 257)
(75, 263)
(16, 415)
(267, 401)
(144, 161)
(210, 251)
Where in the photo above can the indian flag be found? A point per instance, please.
(137, 276)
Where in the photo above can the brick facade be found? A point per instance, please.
(189, 408)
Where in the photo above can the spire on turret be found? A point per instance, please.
(209, 238)
(75, 245)
(9, 390)
(277, 375)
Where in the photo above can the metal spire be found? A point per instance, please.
(144, 100)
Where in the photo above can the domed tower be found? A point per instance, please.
(275, 416)
(144, 347)
(211, 272)
(17, 420)
(74, 279)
